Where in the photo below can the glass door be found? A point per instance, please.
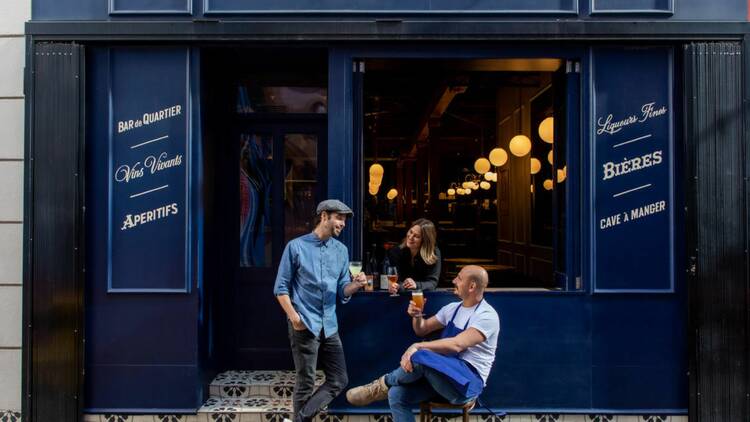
(280, 181)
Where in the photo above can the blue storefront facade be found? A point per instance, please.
(653, 111)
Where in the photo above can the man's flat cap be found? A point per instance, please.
(333, 205)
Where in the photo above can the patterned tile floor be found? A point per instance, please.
(238, 384)
(266, 396)
(258, 417)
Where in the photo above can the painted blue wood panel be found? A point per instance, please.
(149, 144)
(632, 6)
(633, 170)
(724, 10)
(392, 6)
(639, 346)
(150, 7)
(557, 352)
(141, 349)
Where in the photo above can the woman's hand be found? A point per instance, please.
(392, 288)
(410, 284)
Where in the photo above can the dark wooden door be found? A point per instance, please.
(277, 173)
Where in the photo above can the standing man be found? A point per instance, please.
(313, 273)
(452, 369)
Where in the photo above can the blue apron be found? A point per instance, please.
(463, 377)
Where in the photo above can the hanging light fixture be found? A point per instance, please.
(376, 169)
(373, 190)
(547, 130)
(520, 145)
(392, 194)
(376, 173)
(547, 184)
(488, 176)
(532, 188)
(536, 165)
(451, 192)
(551, 157)
(482, 165)
(484, 185)
(498, 157)
(561, 175)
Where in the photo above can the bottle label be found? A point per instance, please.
(383, 282)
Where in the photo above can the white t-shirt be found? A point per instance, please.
(486, 320)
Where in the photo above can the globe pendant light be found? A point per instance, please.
(482, 165)
(547, 130)
(498, 157)
(376, 170)
(485, 185)
(451, 192)
(520, 145)
(392, 194)
(536, 165)
(547, 184)
(551, 157)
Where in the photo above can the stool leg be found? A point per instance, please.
(466, 415)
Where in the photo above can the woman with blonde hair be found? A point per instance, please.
(418, 260)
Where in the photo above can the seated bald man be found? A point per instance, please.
(452, 369)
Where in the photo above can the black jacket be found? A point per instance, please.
(426, 276)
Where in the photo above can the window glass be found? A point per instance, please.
(256, 219)
(431, 130)
(300, 183)
(254, 98)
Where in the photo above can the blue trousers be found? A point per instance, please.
(408, 389)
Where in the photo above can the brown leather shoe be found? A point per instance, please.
(368, 393)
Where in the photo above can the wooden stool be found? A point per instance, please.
(425, 409)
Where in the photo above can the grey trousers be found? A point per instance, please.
(308, 350)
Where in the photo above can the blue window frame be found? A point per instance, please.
(345, 142)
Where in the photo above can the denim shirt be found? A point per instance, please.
(314, 273)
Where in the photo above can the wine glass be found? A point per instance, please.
(355, 267)
(392, 274)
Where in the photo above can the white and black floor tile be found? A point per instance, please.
(10, 416)
(601, 418)
(238, 384)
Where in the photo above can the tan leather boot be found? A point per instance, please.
(368, 393)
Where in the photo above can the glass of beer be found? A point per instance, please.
(392, 274)
(418, 299)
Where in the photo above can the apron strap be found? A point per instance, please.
(472, 314)
(467, 319)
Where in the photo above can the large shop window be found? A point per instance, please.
(479, 148)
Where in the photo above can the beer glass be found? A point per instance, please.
(418, 299)
(392, 274)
